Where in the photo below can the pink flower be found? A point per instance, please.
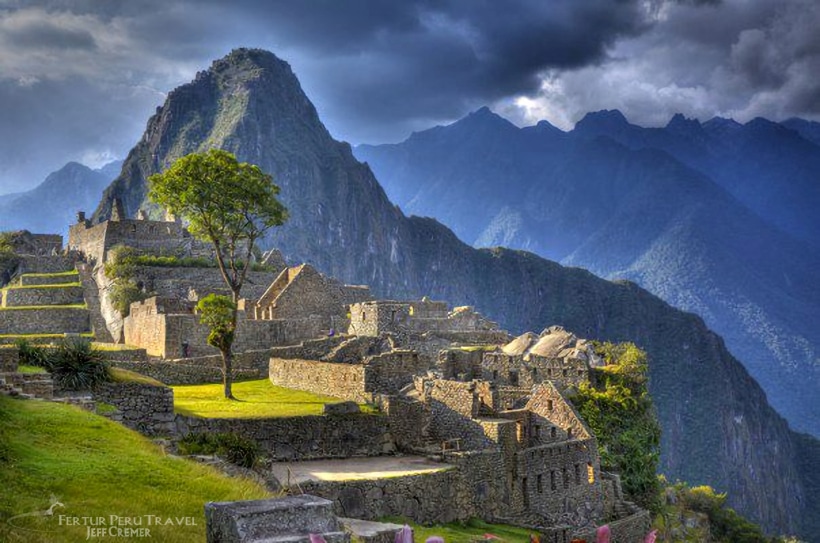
(603, 534)
(650, 537)
(405, 535)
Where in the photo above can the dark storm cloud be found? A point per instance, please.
(435, 59)
(91, 72)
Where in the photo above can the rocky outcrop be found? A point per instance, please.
(718, 426)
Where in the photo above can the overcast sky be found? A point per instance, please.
(79, 79)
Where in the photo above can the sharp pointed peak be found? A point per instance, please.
(605, 119)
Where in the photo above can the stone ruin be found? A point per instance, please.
(489, 411)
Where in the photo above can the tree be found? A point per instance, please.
(229, 204)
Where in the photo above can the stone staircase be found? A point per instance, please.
(279, 520)
(44, 305)
(23, 386)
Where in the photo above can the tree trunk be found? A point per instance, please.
(227, 373)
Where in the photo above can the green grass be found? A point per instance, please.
(23, 368)
(42, 336)
(55, 285)
(257, 399)
(119, 375)
(29, 307)
(472, 530)
(54, 274)
(114, 347)
(97, 468)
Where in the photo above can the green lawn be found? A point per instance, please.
(97, 468)
(23, 368)
(257, 399)
(473, 530)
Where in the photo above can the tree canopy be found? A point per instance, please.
(229, 203)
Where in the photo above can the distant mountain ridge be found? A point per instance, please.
(707, 216)
(51, 206)
(718, 426)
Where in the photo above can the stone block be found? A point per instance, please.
(286, 519)
(341, 408)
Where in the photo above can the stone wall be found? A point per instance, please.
(9, 358)
(147, 409)
(304, 438)
(182, 282)
(345, 381)
(46, 263)
(44, 321)
(33, 296)
(36, 280)
(631, 529)
(178, 373)
(162, 334)
(526, 372)
(409, 421)
(468, 486)
(453, 406)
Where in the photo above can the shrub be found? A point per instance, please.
(76, 365)
(32, 355)
(123, 293)
(234, 448)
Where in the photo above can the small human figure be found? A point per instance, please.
(184, 349)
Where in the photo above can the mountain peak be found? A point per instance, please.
(679, 124)
(605, 120)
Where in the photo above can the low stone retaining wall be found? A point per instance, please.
(34, 280)
(43, 296)
(47, 264)
(630, 529)
(471, 487)
(148, 409)
(179, 373)
(303, 438)
(44, 321)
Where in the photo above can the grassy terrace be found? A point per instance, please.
(96, 468)
(49, 285)
(35, 307)
(257, 399)
(468, 532)
(54, 274)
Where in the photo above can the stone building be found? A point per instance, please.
(168, 237)
(555, 355)
(299, 291)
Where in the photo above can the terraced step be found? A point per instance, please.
(35, 384)
(38, 339)
(43, 295)
(37, 279)
(44, 320)
(329, 537)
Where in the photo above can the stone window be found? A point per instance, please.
(133, 228)
(495, 375)
(513, 378)
(364, 315)
(590, 473)
(564, 373)
(553, 432)
(552, 481)
(577, 474)
(539, 484)
(580, 373)
(393, 316)
(549, 405)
